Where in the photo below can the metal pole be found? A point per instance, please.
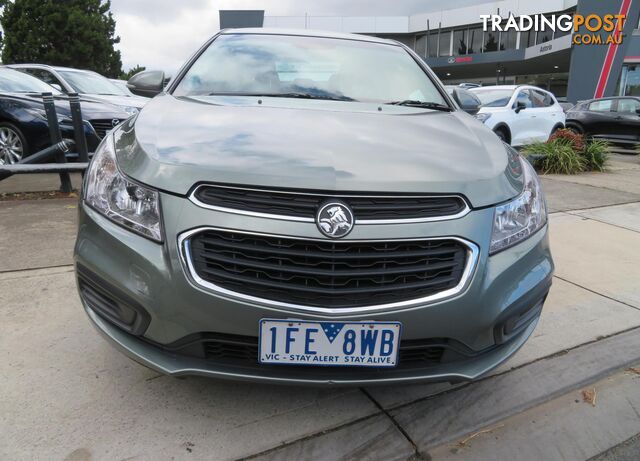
(56, 137)
(78, 127)
(51, 151)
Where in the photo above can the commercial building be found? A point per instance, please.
(454, 44)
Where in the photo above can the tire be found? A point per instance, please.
(502, 133)
(576, 129)
(13, 145)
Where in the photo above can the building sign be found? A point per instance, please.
(456, 60)
(559, 44)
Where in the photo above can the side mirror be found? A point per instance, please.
(471, 109)
(147, 83)
(57, 87)
(520, 106)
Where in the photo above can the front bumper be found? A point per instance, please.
(491, 318)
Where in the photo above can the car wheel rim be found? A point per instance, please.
(11, 148)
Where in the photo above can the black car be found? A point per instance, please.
(23, 123)
(615, 119)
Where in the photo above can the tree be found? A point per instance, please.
(131, 72)
(73, 33)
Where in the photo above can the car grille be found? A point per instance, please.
(101, 127)
(297, 204)
(329, 274)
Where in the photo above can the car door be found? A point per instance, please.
(523, 122)
(628, 119)
(600, 119)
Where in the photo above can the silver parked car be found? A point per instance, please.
(85, 82)
(310, 208)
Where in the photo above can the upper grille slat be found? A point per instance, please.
(304, 205)
(327, 274)
(103, 126)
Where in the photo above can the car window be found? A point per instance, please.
(493, 97)
(13, 81)
(541, 98)
(604, 105)
(45, 76)
(316, 66)
(525, 98)
(90, 83)
(628, 106)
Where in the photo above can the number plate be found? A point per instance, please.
(354, 344)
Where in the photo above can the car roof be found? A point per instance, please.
(308, 33)
(47, 66)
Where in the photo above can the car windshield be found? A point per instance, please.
(310, 67)
(90, 83)
(493, 98)
(12, 81)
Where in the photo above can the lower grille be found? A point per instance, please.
(243, 351)
(330, 274)
(110, 303)
(102, 127)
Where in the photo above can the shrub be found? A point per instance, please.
(596, 155)
(556, 156)
(576, 140)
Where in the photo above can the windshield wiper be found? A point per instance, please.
(421, 104)
(288, 95)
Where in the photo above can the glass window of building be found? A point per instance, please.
(508, 40)
(421, 45)
(475, 40)
(527, 39)
(560, 33)
(545, 35)
(490, 42)
(629, 84)
(432, 45)
(460, 42)
(445, 44)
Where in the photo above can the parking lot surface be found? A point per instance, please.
(572, 392)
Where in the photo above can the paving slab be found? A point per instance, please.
(448, 417)
(626, 216)
(375, 438)
(65, 392)
(622, 176)
(566, 196)
(37, 233)
(566, 428)
(602, 257)
(36, 183)
(572, 316)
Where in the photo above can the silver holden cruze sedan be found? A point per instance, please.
(301, 207)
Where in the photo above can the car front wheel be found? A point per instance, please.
(12, 144)
(503, 135)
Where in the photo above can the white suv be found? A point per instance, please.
(519, 114)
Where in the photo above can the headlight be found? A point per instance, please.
(131, 110)
(483, 117)
(519, 219)
(125, 202)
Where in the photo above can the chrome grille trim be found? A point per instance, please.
(473, 253)
(194, 199)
